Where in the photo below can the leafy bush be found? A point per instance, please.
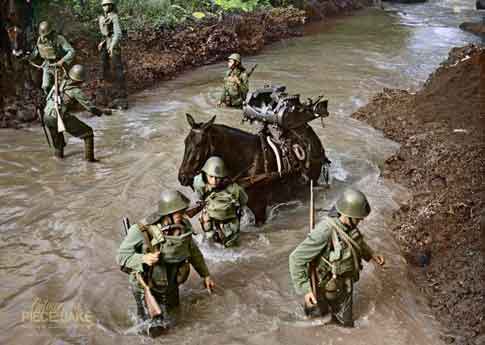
(245, 5)
(136, 14)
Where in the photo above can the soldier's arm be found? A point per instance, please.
(85, 102)
(67, 48)
(241, 195)
(34, 54)
(224, 91)
(199, 186)
(116, 31)
(366, 251)
(244, 86)
(197, 260)
(127, 254)
(303, 254)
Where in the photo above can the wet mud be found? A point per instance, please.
(441, 228)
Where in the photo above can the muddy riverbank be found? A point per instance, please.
(151, 56)
(441, 160)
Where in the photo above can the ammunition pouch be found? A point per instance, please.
(47, 50)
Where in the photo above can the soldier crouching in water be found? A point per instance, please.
(223, 199)
(61, 102)
(337, 248)
(236, 83)
(160, 252)
(110, 52)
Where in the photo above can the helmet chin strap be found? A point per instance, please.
(352, 224)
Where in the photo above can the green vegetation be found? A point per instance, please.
(136, 14)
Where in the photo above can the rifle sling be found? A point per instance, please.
(354, 247)
(144, 229)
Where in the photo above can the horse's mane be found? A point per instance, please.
(233, 130)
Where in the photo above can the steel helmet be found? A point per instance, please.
(235, 57)
(215, 166)
(172, 201)
(77, 73)
(107, 2)
(45, 29)
(353, 203)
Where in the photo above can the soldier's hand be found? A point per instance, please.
(151, 258)
(379, 259)
(58, 63)
(209, 284)
(310, 299)
(100, 45)
(110, 51)
(234, 79)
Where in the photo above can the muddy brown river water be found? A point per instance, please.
(60, 220)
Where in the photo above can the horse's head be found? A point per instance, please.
(17, 16)
(198, 147)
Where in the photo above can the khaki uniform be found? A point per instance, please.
(333, 257)
(51, 49)
(162, 277)
(71, 94)
(234, 94)
(110, 28)
(223, 208)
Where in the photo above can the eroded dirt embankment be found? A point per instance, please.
(151, 56)
(442, 161)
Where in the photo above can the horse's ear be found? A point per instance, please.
(190, 120)
(209, 123)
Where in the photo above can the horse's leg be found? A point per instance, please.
(257, 203)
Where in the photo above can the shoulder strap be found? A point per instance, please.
(144, 229)
(354, 247)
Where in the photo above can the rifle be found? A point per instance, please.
(199, 206)
(152, 304)
(150, 301)
(57, 101)
(312, 268)
(192, 211)
(40, 114)
(252, 70)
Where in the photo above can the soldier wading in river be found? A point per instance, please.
(54, 50)
(223, 201)
(110, 52)
(236, 83)
(158, 254)
(336, 247)
(60, 102)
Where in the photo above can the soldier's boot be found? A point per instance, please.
(58, 142)
(59, 153)
(89, 149)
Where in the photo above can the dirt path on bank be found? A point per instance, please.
(442, 161)
(151, 56)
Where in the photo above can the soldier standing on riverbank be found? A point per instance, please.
(110, 52)
(335, 248)
(54, 50)
(236, 83)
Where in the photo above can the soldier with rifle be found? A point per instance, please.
(327, 264)
(223, 200)
(55, 50)
(236, 83)
(158, 255)
(62, 98)
(110, 52)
